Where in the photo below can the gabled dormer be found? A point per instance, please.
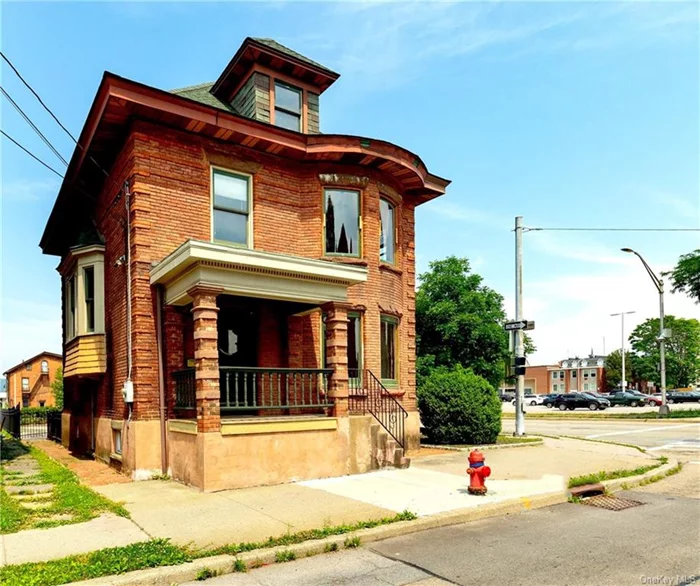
(268, 82)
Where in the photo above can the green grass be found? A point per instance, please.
(330, 547)
(69, 496)
(596, 477)
(286, 555)
(307, 535)
(501, 440)
(239, 566)
(106, 562)
(352, 542)
(677, 414)
(204, 574)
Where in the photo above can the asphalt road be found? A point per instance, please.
(680, 440)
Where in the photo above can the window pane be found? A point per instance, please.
(342, 222)
(44, 366)
(388, 335)
(387, 237)
(89, 278)
(288, 121)
(354, 346)
(230, 192)
(230, 227)
(287, 98)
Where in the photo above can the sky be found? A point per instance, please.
(573, 115)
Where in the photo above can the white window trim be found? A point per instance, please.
(74, 268)
(395, 235)
(249, 230)
(302, 103)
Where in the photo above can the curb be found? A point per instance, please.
(605, 418)
(484, 447)
(224, 564)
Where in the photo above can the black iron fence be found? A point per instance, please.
(10, 421)
(53, 426)
(31, 423)
(367, 394)
(184, 389)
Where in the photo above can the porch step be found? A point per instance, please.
(386, 451)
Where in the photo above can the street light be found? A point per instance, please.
(659, 284)
(622, 314)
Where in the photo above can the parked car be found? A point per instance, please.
(654, 399)
(573, 401)
(506, 395)
(626, 399)
(548, 400)
(682, 397)
(532, 400)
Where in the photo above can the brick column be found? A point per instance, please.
(174, 353)
(206, 358)
(337, 354)
(295, 341)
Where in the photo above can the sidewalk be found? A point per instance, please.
(433, 484)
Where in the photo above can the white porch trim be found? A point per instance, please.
(252, 273)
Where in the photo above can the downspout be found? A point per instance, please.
(161, 379)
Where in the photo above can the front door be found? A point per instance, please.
(238, 347)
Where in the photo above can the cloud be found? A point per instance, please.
(27, 328)
(452, 211)
(27, 190)
(576, 248)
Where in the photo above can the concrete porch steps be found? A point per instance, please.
(386, 452)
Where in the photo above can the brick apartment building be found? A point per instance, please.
(29, 383)
(252, 280)
(569, 375)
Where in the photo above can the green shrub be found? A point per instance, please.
(459, 407)
(26, 411)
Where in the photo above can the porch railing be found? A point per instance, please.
(367, 394)
(254, 389)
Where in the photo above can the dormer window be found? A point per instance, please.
(288, 101)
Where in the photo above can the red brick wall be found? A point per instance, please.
(169, 173)
(39, 383)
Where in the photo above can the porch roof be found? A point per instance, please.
(252, 273)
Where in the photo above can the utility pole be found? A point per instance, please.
(519, 345)
(622, 315)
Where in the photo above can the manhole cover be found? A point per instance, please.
(610, 502)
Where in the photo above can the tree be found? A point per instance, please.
(682, 350)
(57, 388)
(613, 369)
(685, 276)
(459, 320)
(459, 407)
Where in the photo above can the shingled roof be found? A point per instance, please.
(272, 44)
(201, 93)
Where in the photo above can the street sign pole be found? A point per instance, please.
(519, 346)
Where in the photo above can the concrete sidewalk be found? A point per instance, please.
(433, 485)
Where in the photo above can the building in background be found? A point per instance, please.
(29, 383)
(567, 376)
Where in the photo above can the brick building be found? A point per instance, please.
(567, 376)
(29, 383)
(239, 292)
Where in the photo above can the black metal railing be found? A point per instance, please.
(53, 426)
(184, 389)
(367, 394)
(10, 421)
(253, 389)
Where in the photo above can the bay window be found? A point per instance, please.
(83, 278)
(342, 222)
(231, 207)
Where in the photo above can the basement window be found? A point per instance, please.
(117, 441)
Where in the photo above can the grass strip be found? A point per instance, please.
(306, 535)
(106, 562)
(596, 477)
(685, 414)
(160, 552)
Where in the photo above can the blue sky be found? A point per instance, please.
(572, 115)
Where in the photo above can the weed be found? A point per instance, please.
(352, 542)
(161, 477)
(257, 563)
(286, 555)
(605, 475)
(330, 547)
(574, 499)
(675, 470)
(239, 566)
(204, 574)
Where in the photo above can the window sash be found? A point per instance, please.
(89, 285)
(44, 366)
(389, 347)
(387, 236)
(354, 334)
(353, 207)
(291, 113)
(230, 206)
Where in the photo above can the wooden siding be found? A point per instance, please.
(86, 355)
(253, 99)
(312, 123)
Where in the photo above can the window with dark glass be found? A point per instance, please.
(44, 367)
(28, 366)
(231, 206)
(389, 329)
(89, 282)
(354, 345)
(387, 238)
(342, 221)
(287, 106)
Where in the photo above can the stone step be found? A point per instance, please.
(36, 505)
(33, 497)
(29, 489)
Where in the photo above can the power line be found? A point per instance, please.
(34, 127)
(32, 155)
(612, 229)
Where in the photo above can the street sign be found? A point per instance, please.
(519, 325)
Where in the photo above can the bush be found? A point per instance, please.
(459, 407)
(39, 410)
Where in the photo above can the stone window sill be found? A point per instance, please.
(349, 260)
(389, 268)
(115, 456)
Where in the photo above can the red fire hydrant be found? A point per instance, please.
(477, 472)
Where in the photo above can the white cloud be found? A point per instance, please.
(27, 328)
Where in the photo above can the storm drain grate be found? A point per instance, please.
(610, 502)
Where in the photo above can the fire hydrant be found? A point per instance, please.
(477, 472)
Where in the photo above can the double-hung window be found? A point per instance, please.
(389, 350)
(71, 294)
(287, 106)
(89, 283)
(231, 207)
(25, 384)
(342, 221)
(44, 367)
(387, 238)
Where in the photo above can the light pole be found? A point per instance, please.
(659, 284)
(622, 314)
